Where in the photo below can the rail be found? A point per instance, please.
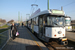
(73, 26)
(4, 37)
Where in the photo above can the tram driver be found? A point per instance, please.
(58, 21)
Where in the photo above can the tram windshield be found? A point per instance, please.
(67, 21)
(58, 21)
(55, 21)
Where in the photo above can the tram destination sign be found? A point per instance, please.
(57, 12)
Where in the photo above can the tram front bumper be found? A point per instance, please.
(63, 41)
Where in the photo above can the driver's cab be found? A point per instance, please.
(50, 24)
(53, 21)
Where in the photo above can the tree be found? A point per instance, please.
(2, 21)
(10, 21)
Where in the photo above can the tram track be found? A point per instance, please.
(54, 44)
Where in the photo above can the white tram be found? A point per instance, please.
(48, 24)
(68, 26)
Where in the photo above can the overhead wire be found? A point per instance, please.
(69, 4)
(35, 1)
(70, 11)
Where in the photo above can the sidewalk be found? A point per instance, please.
(26, 41)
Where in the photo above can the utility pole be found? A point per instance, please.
(48, 4)
(61, 8)
(28, 16)
(18, 16)
(21, 17)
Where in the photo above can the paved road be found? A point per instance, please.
(70, 36)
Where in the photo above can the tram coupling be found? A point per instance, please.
(63, 41)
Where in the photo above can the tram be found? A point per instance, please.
(68, 26)
(48, 25)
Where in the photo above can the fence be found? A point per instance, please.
(2, 24)
(73, 26)
(4, 37)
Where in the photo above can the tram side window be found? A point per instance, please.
(29, 22)
(40, 21)
(49, 21)
(36, 20)
(45, 21)
(33, 21)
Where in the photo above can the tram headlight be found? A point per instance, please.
(63, 34)
(59, 32)
(54, 35)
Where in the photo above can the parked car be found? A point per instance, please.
(9, 24)
(17, 24)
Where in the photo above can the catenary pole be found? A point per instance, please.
(48, 4)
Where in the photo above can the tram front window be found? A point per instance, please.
(55, 21)
(58, 21)
(67, 21)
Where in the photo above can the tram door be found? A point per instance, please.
(40, 26)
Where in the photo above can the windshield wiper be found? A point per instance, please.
(58, 25)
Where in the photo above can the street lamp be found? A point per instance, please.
(27, 15)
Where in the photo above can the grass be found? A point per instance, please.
(3, 36)
(5, 26)
(2, 30)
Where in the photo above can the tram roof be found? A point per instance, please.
(67, 17)
(52, 12)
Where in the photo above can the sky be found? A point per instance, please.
(9, 8)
